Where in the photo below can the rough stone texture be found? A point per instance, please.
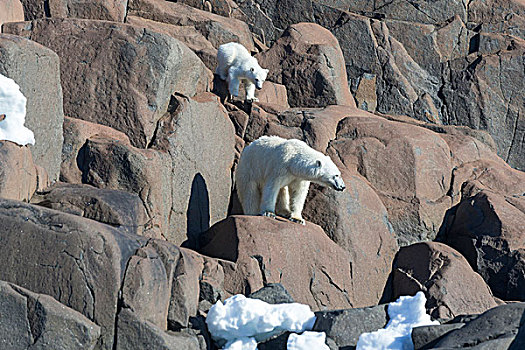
(226, 8)
(345, 326)
(190, 36)
(199, 138)
(488, 229)
(504, 16)
(274, 94)
(112, 10)
(358, 222)
(273, 293)
(76, 133)
(487, 92)
(494, 329)
(425, 337)
(77, 261)
(36, 70)
(11, 11)
(135, 333)
(145, 290)
(450, 285)
(408, 166)
(307, 60)
(110, 163)
(216, 29)
(38, 321)
(18, 174)
(116, 208)
(130, 86)
(320, 276)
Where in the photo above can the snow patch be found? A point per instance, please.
(307, 341)
(405, 313)
(13, 113)
(240, 317)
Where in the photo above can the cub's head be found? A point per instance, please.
(258, 75)
(328, 174)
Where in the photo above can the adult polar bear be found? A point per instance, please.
(274, 174)
(235, 64)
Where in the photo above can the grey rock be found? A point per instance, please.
(425, 337)
(36, 70)
(37, 321)
(273, 293)
(494, 329)
(77, 261)
(345, 326)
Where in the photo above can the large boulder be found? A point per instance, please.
(408, 166)
(451, 287)
(77, 261)
(130, 86)
(11, 11)
(117, 208)
(488, 229)
(497, 328)
(36, 70)
(31, 320)
(321, 276)
(307, 60)
(112, 10)
(199, 138)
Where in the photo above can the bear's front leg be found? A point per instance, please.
(269, 198)
(250, 92)
(298, 191)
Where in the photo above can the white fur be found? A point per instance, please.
(235, 64)
(274, 174)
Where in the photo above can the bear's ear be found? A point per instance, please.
(267, 71)
(252, 69)
(318, 163)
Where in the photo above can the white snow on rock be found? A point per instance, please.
(405, 313)
(241, 317)
(241, 344)
(13, 106)
(307, 341)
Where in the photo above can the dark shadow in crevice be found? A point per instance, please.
(198, 213)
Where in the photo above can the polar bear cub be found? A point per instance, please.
(235, 64)
(274, 174)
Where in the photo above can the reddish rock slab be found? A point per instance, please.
(451, 287)
(408, 166)
(117, 208)
(307, 60)
(302, 258)
(36, 69)
(216, 29)
(128, 87)
(11, 11)
(225, 8)
(188, 35)
(18, 174)
(76, 133)
(489, 230)
(77, 261)
(37, 320)
(110, 10)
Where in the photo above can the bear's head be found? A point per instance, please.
(258, 75)
(327, 174)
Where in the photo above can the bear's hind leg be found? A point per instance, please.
(250, 198)
(298, 192)
(282, 208)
